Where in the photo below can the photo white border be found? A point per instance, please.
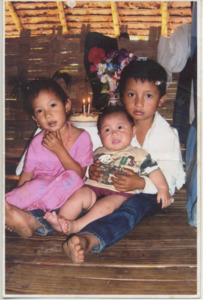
(200, 155)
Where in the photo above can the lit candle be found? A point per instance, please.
(83, 102)
(88, 109)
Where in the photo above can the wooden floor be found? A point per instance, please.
(159, 257)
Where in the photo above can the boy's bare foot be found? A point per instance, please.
(77, 246)
(52, 218)
(74, 248)
(68, 226)
(20, 221)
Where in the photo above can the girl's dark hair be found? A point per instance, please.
(111, 110)
(34, 87)
(144, 70)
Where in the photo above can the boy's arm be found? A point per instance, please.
(160, 182)
(132, 182)
(167, 153)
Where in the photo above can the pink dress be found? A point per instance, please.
(51, 184)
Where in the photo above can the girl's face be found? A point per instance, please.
(141, 99)
(49, 111)
(116, 131)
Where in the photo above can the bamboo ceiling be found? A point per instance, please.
(109, 18)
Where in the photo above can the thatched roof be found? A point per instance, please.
(108, 18)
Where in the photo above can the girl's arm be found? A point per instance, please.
(54, 143)
(24, 177)
(69, 163)
(161, 184)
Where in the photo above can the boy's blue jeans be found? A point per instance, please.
(111, 228)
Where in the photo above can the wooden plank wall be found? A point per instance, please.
(31, 57)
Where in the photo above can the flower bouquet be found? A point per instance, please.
(108, 69)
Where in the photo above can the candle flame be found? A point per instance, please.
(83, 101)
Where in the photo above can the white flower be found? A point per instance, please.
(104, 78)
(117, 74)
(124, 63)
(101, 68)
(112, 84)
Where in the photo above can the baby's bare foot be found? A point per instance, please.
(52, 218)
(68, 226)
(74, 248)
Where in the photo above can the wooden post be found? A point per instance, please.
(115, 16)
(14, 16)
(62, 16)
(164, 18)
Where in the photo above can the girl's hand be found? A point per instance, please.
(95, 172)
(53, 141)
(164, 196)
(129, 182)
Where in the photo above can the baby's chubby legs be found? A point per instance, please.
(101, 208)
(84, 198)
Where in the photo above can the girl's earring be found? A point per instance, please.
(38, 125)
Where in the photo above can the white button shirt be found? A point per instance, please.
(163, 144)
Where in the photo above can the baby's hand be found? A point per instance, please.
(52, 141)
(164, 197)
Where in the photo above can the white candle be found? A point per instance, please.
(88, 109)
(83, 101)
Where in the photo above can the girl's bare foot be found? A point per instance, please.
(20, 221)
(52, 218)
(8, 228)
(77, 246)
(68, 226)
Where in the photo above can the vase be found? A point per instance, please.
(113, 100)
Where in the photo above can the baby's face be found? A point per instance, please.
(116, 131)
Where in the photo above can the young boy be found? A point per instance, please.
(116, 129)
(142, 91)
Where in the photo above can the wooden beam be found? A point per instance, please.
(62, 16)
(164, 19)
(115, 15)
(14, 16)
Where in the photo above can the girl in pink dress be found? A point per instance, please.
(57, 157)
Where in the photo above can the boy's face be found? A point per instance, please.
(141, 99)
(116, 131)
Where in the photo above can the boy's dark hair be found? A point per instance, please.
(110, 110)
(32, 90)
(144, 70)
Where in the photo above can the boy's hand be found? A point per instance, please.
(53, 141)
(129, 182)
(95, 172)
(164, 197)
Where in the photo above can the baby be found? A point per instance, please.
(116, 129)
